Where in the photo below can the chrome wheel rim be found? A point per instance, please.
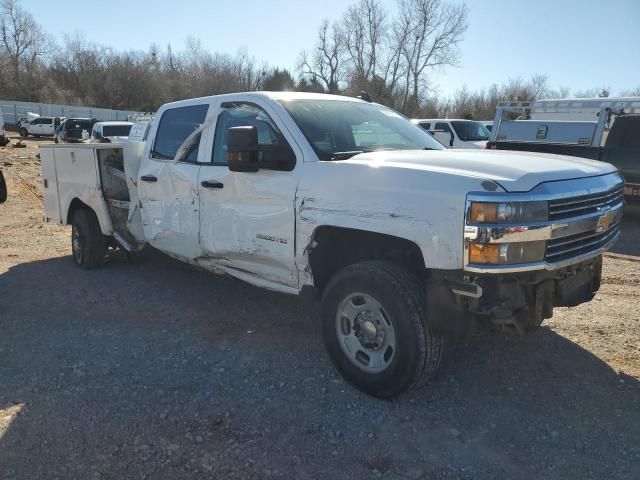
(76, 243)
(365, 333)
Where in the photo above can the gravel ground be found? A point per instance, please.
(159, 370)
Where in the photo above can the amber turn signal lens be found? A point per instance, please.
(484, 212)
(479, 253)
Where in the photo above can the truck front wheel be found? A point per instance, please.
(375, 330)
(24, 133)
(87, 242)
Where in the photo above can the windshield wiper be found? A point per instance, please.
(347, 155)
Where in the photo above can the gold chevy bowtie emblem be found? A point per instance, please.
(605, 221)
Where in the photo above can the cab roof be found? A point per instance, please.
(278, 96)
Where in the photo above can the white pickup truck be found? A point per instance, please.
(38, 126)
(404, 242)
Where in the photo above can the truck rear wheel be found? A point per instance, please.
(87, 242)
(3, 188)
(375, 330)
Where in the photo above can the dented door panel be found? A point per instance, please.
(249, 224)
(170, 205)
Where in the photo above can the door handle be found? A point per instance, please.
(148, 178)
(212, 184)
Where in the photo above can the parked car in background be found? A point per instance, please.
(456, 133)
(488, 125)
(74, 130)
(106, 132)
(38, 126)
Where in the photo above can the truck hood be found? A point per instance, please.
(514, 171)
(473, 144)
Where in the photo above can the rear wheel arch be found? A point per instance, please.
(75, 205)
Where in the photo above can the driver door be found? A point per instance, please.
(247, 219)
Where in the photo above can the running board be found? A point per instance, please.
(123, 242)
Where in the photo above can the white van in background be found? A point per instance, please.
(456, 133)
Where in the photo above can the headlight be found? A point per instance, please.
(507, 253)
(508, 212)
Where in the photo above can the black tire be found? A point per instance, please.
(418, 350)
(24, 133)
(3, 188)
(87, 242)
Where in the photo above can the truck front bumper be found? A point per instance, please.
(455, 300)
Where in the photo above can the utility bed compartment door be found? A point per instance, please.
(77, 174)
(71, 171)
(50, 186)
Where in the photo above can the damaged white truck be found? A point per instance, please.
(404, 242)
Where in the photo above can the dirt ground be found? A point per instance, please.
(158, 370)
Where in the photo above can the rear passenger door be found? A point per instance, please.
(168, 190)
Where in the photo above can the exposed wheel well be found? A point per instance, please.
(334, 248)
(76, 204)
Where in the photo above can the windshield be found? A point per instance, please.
(471, 131)
(116, 130)
(339, 130)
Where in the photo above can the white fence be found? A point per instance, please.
(13, 111)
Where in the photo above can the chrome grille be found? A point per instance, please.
(574, 245)
(583, 205)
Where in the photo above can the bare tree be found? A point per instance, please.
(363, 25)
(594, 92)
(434, 29)
(635, 92)
(22, 40)
(325, 62)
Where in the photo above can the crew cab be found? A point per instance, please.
(38, 126)
(456, 133)
(403, 241)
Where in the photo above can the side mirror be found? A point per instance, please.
(445, 138)
(242, 149)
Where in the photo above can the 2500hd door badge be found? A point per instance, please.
(271, 238)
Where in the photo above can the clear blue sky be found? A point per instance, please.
(579, 44)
